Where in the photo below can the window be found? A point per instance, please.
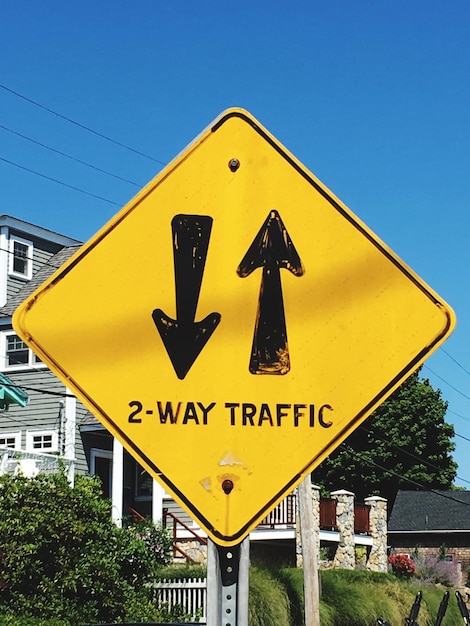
(41, 441)
(143, 484)
(10, 440)
(21, 258)
(101, 465)
(16, 353)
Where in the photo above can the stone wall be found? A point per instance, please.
(345, 555)
(377, 561)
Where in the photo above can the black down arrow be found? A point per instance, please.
(272, 249)
(183, 337)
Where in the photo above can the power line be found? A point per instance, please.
(82, 126)
(467, 419)
(69, 156)
(60, 182)
(455, 361)
(447, 383)
(397, 475)
(410, 454)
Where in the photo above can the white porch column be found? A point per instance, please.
(117, 483)
(157, 502)
(70, 415)
(4, 254)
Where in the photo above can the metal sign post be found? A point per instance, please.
(227, 584)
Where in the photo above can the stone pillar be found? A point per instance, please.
(345, 557)
(316, 525)
(377, 561)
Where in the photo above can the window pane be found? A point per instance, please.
(20, 258)
(42, 442)
(7, 442)
(17, 351)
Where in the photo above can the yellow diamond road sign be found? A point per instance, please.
(233, 324)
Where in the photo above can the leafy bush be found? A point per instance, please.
(402, 565)
(63, 558)
(181, 572)
(430, 568)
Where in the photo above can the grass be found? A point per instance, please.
(349, 598)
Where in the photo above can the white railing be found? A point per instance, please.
(282, 516)
(190, 594)
(30, 463)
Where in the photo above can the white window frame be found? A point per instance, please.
(33, 361)
(27, 275)
(54, 447)
(16, 436)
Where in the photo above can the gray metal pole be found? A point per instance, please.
(227, 584)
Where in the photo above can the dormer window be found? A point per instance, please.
(21, 258)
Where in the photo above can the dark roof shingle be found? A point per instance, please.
(39, 277)
(416, 511)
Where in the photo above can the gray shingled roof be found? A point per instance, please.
(39, 277)
(427, 511)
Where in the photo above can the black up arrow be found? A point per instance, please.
(183, 337)
(272, 249)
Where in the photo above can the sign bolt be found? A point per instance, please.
(227, 486)
(234, 164)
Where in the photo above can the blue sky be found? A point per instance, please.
(372, 96)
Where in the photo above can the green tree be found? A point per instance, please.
(404, 444)
(63, 557)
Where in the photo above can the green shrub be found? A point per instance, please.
(181, 572)
(430, 568)
(63, 558)
(403, 565)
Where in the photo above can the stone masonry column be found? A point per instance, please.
(377, 561)
(345, 557)
(316, 525)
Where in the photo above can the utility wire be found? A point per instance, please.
(410, 454)
(397, 475)
(455, 361)
(82, 126)
(60, 182)
(445, 381)
(69, 156)
(467, 419)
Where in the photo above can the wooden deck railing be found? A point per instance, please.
(282, 515)
(328, 516)
(175, 521)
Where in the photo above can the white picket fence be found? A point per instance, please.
(190, 593)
